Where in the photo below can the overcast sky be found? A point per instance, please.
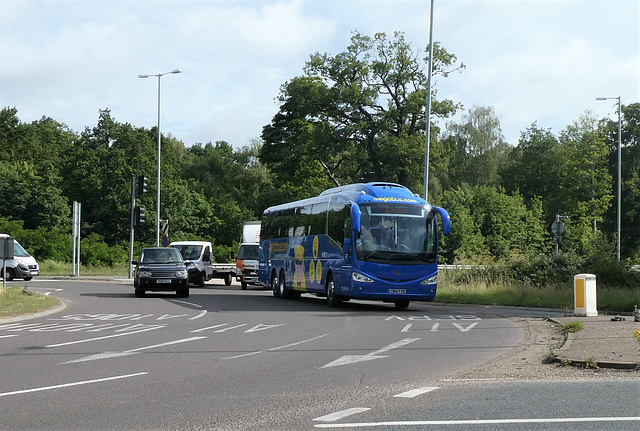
(531, 60)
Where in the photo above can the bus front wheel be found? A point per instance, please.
(332, 298)
(402, 305)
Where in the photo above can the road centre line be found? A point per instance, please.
(480, 422)
(277, 348)
(67, 385)
(87, 340)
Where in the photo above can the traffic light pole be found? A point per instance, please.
(131, 219)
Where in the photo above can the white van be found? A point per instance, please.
(23, 264)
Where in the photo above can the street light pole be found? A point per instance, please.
(619, 171)
(159, 75)
(428, 114)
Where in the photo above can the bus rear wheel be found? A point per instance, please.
(274, 285)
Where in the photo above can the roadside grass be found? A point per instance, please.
(15, 301)
(479, 290)
(52, 267)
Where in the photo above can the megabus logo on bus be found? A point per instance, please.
(394, 199)
(279, 247)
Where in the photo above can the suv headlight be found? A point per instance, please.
(431, 280)
(144, 274)
(356, 276)
(181, 274)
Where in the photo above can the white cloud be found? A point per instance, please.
(532, 60)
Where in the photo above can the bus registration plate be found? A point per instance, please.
(397, 290)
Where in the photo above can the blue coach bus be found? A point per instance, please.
(373, 241)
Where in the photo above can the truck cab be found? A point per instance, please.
(197, 257)
(247, 265)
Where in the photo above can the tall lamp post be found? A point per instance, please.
(428, 114)
(159, 75)
(619, 171)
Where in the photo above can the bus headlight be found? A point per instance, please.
(431, 280)
(356, 276)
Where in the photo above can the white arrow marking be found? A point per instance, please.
(352, 359)
(107, 355)
(468, 328)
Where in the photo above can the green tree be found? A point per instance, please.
(480, 149)
(536, 169)
(358, 115)
(588, 180)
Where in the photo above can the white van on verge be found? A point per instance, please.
(23, 264)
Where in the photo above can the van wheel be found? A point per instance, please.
(244, 285)
(200, 281)
(228, 279)
(27, 278)
(10, 275)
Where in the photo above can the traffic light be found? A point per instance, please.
(142, 185)
(139, 215)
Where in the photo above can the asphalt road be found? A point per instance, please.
(228, 359)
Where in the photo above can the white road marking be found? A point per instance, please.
(108, 355)
(352, 359)
(415, 392)
(467, 329)
(67, 385)
(332, 417)
(202, 313)
(8, 336)
(406, 328)
(276, 348)
(186, 303)
(87, 340)
(480, 422)
(210, 327)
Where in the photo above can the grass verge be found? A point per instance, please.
(15, 301)
(479, 290)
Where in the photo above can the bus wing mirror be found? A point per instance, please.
(446, 220)
(355, 217)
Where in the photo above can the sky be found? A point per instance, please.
(542, 61)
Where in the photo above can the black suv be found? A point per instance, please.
(160, 269)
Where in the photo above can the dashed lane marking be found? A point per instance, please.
(332, 417)
(415, 392)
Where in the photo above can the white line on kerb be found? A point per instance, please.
(479, 422)
(67, 385)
